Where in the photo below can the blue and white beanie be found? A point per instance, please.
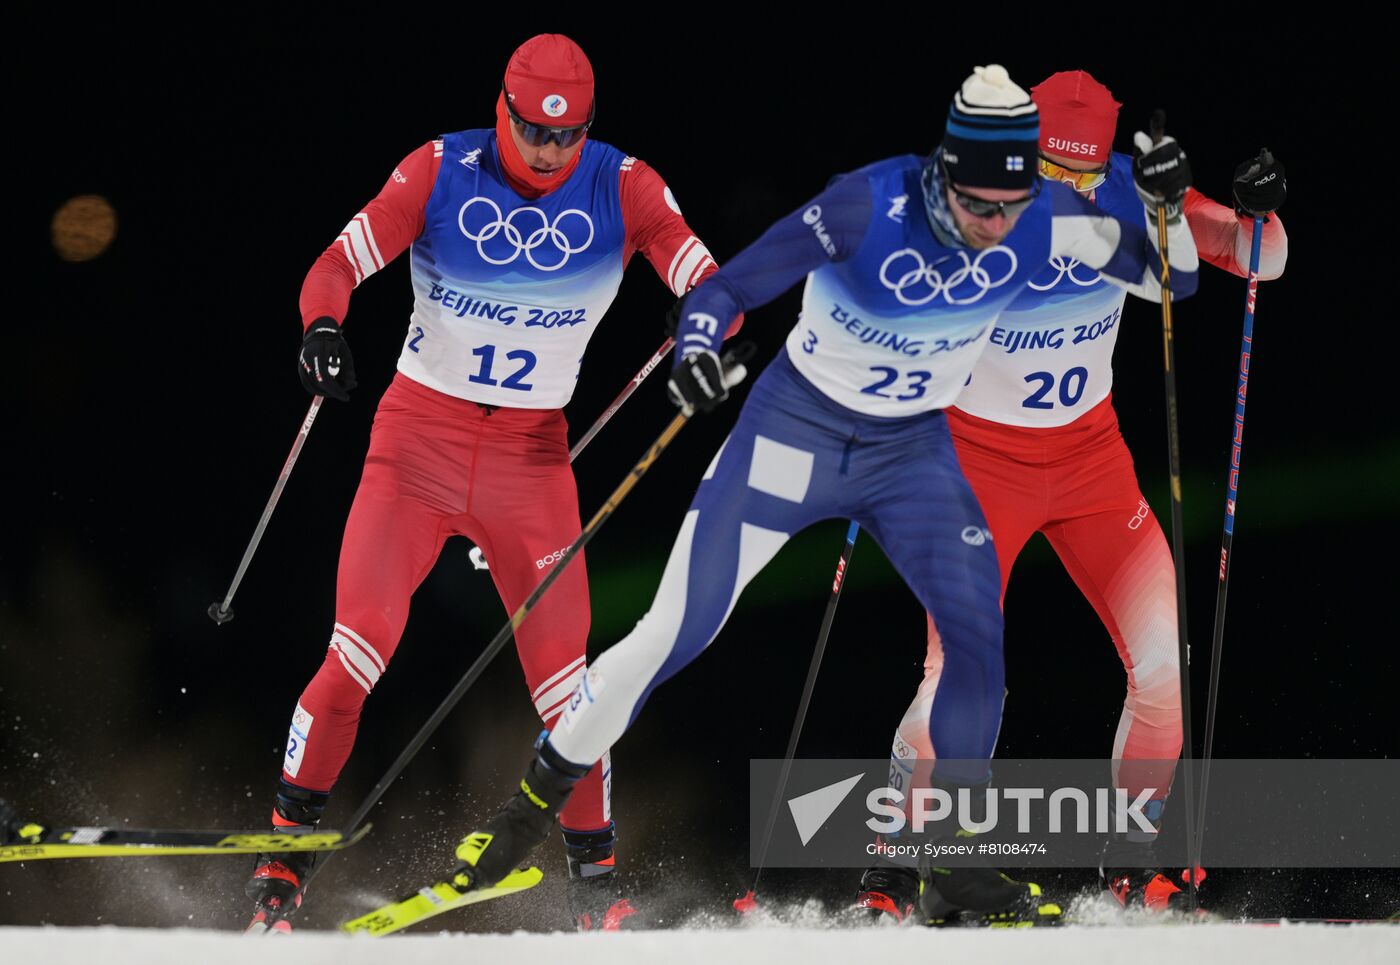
(993, 132)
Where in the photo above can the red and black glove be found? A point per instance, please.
(324, 363)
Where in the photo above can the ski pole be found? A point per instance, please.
(747, 903)
(477, 557)
(1157, 128)
(656, 359)
(1232, 482)
(222, 612)
(734, 373)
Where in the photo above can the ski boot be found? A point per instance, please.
(15, 829)
(595, 892)
(976, 893)
(1131, 873)
(980, 896)
(276, 885)
(888, 890)
(521, 824)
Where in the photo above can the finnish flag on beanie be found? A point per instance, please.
(993, 132)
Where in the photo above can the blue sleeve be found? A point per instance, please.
(829, 228)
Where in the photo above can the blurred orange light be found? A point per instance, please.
(83, 227)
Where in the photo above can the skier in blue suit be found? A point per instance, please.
(908, 262)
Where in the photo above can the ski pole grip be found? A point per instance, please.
(733, 363)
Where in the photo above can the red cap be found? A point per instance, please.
(1077, 116)
(549, 81)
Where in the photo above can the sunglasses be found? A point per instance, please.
(982, 208)
(538, 135)
(1079, 180)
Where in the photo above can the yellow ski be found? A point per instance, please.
(434, 900)
(37, 843)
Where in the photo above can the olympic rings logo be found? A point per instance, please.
(1065, 267)
(922, 273)
(516, 235)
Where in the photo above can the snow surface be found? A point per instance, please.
(1306, 944)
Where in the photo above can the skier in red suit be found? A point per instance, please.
(1037, 437)
(519, 235)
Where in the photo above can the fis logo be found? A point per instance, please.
(896, 212)
(705, 331)
(470, 159)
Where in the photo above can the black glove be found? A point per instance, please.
(698, 381)
(1161, 172)
(1260, 186)
(673, 316)
(325, 364)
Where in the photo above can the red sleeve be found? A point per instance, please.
(1223, 238)
(373, 238)
(656, 228)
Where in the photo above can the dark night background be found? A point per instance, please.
(151, 402)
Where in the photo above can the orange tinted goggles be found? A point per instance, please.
(1079, 180)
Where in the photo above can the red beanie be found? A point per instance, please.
(549, 81)
(1077, 116)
